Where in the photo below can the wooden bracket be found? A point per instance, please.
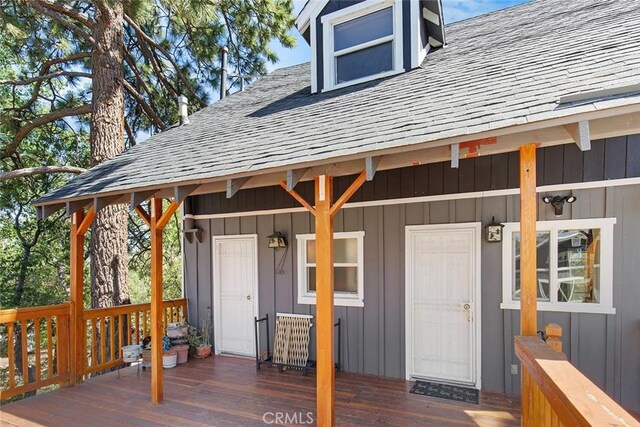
(355, 185)
(191, 232)
(371, 166)
(234, 185)
(143, 214)
(182, 192)
(455, 156)
(87, 221)
(298, 197)
(166, 216)
(75, 206)
(580, 134)
(45, 211)
(100, 203)
(294, 176)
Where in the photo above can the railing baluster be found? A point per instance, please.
(49, 349)
(144, 323)
(36, 336)
(103, 338)
(10, 343)
(93, 343)
(138, 327)
(25, 354)
(121, 330)
(112, 337)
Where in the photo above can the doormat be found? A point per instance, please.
(444, 391)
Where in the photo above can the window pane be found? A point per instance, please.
(345, 279)
(579, 265)
(365, 62)
(345, 250)
(361, 30)
(311, 251)
(542, 242)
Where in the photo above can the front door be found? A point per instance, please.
(442, 303)
(235, 290)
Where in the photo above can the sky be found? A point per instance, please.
(454, 10)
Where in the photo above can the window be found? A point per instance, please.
(362, 42)
(348, 274)
(574, 265)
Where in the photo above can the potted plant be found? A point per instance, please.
(201, 340)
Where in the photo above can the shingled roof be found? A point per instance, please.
(506, 68)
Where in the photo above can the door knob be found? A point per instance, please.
(248, 297)
(467, 306)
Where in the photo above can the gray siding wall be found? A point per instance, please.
(604, 347)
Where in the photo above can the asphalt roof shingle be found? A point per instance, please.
(501, 69)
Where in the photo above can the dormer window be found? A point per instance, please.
(362, 42)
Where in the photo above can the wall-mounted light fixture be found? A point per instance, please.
(493, 231)
(277, 241)
(558, 202)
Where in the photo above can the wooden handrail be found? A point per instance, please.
(46, 330)
(572, 397)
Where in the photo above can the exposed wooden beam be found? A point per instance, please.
(76, 205)
(294, 176)
(140, 196)
(143, 214)
(528, 248)
(298, 197)
(355, 185)
(45, 211)
(581, 134)
(234, 185)
(100, 203)
(87, 221)
(183, 191)
(156, 303)
(455, 156)
(371, 166)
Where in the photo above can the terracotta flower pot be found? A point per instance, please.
(202, 352)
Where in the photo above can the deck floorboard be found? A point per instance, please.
(228, 391)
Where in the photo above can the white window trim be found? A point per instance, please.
(340, 299)
(347, 14)
(605, 306)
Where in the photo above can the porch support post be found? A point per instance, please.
(324, 301)
(528, 262)
(528, 273)
(76, 297)
(156, 301)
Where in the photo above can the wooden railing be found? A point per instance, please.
(109, 329)
(555, 393)
(41, 335)
(38, 341)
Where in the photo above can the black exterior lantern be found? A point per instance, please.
(493, 231)
(277, 240)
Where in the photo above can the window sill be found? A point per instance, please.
(363, 80)
(564, 307)
(338, 302)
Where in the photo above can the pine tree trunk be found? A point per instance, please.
(109, 251)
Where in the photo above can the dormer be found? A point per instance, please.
(361, 40)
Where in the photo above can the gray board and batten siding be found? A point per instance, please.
(604, 347)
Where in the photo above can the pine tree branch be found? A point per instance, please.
(130, 135)
(42, 120)
(68, 11)
(21, 173)
(60, 19)
(168, 56)
(41, 77)
(147, 109)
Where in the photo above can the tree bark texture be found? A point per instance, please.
(109, 251)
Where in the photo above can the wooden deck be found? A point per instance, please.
(229, 391)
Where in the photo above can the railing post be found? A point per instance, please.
(554, 334)
(156, 302)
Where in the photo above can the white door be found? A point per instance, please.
(235, 290)
(442, 303)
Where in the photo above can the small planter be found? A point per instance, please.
(130, 353)
(169, 359)
(203, 351)
(183, 353)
